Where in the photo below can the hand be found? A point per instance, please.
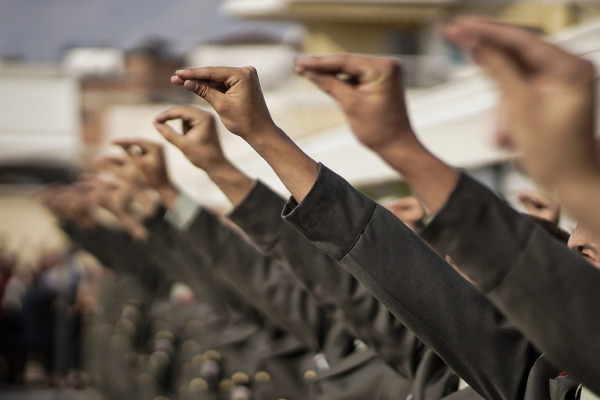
(547, 96)
(199, 140)
(539, 206)
(370, 92)
(123, 168)
(149, 157)
(408, 210)
(235, 95)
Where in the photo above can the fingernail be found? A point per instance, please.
(179, 71)
(191, 85)
(301, 59)
(311, 76)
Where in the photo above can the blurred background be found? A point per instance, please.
(76, 74)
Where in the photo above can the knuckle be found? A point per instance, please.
(249, 72)
(393, 65)
(202, 91)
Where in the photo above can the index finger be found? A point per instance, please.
(337, 63)
(143, 144)
(209, 74)
(178, 112)
(530, 50)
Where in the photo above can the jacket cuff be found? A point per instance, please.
(183, 212)
(259, 215)
(332, 225)
(470, 228)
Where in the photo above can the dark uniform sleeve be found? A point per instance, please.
(416, 285)
(264, 282)
(542, 287)
(259, 215)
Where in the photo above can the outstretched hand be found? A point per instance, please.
(234, 93)
(547, 95)
(149, 157)
(408, 210)
(198, 141)
(370, 92)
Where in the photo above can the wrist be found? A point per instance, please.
(215, 167)
(168, 193)
(401, 151)
(265, 136)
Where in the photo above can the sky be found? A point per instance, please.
(40, 29)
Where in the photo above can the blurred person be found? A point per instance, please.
(348, 370)
(12, 291)
(257, 212)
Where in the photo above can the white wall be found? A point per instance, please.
(39, 115)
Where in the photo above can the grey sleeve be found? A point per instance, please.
(416, 285)
(259, 215)
(263, 281)
(183, 212)
(545, 289)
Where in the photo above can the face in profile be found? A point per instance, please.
(586, 243)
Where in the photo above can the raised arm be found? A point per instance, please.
(403, 267)
(549, 104)
(563, 96)
(258, 212)
(236, 96)
(199, 142)
(373, 100)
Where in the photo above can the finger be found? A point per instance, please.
(137, 146)
(337, 63)
(206, 90)
(533, 200)
(179, 112)
(331, 85)
(217, 75)
(175, 80)
(529, 51)
(169, 133)
(502, 68)
(108, 162)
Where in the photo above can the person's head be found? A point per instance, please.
(587, 243)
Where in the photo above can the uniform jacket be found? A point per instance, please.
(445, 311)
(343, 370)
(545, 289)
(259, 215)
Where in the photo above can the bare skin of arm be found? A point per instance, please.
(548, 98)
(149, 158)
(373, 101)
(236, 96)
(199, 142)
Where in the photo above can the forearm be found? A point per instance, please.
(259, 215)
(429, 178)
(234, 184)
(415, 284)
(527, 277)
(262, 281)
(168, 193)
(579, 194)
(296, 170)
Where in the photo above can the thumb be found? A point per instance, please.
(202, 89)
(330, 84)
(501, 67)
(168, 133)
